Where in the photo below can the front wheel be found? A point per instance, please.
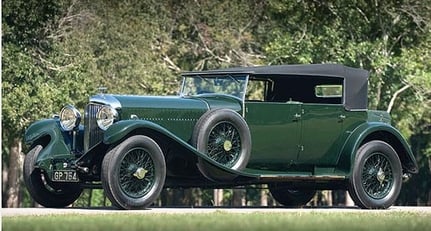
(42, 190)
(377, 176)
(134, 172)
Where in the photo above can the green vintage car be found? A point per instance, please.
(294, 128)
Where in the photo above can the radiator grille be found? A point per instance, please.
(93, 135)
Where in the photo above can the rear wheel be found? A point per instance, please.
(377, 176)
(286, 195)
(42, 190)
(224, 136)
(134, 172)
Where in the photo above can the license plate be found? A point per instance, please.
(65, 176)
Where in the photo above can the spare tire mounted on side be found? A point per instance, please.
(224, 136)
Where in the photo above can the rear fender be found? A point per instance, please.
(376, 131)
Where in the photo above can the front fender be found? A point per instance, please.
(122, 129)
(49, 134)
(380, 131)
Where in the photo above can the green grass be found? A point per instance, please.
(390, 221)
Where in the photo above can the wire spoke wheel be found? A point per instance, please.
(224, 144)
(224, 137)
(377, 176)
(136, 173)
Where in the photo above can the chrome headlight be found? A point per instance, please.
(69, 118)
(106, 116)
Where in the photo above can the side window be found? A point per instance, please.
(329, 91)
(308, 89)
(256, 90)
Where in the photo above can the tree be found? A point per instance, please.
(38, 77)
(391, 39)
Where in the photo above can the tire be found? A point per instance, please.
(290, 197)
(376, 177)
(45, 192)
(133, 173)
(224, 136)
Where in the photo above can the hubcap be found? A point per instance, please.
(227, 145)
(140, 173)
(380, 176)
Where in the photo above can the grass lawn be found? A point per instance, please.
(390, 221)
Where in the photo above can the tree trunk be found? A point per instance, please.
(4, 183)
(429, 190)
(238, 197)
(14, 174)
(327, 197)
(218, 197)
(263, 197)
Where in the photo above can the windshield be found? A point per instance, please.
(234, 85)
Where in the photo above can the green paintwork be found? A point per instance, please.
(321, 132)
(176, 114)
(378, 116)
(272, 147)
(58, 147)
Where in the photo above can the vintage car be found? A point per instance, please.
(293, 128)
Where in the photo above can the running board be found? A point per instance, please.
(291, 177)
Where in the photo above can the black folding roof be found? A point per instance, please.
(355, 79)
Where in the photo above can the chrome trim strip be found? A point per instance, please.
(106, 99)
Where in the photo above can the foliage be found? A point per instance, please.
(92, 198)
(211, 34)
(59, 52)
(382, 39)
(120, 42)
(35, 77)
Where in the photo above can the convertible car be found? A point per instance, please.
(293, 128)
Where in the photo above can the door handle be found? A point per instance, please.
(341, 118)
(296, 117)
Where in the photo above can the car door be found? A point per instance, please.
(322, 126)
(275, 132)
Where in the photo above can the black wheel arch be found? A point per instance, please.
(43, 141)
